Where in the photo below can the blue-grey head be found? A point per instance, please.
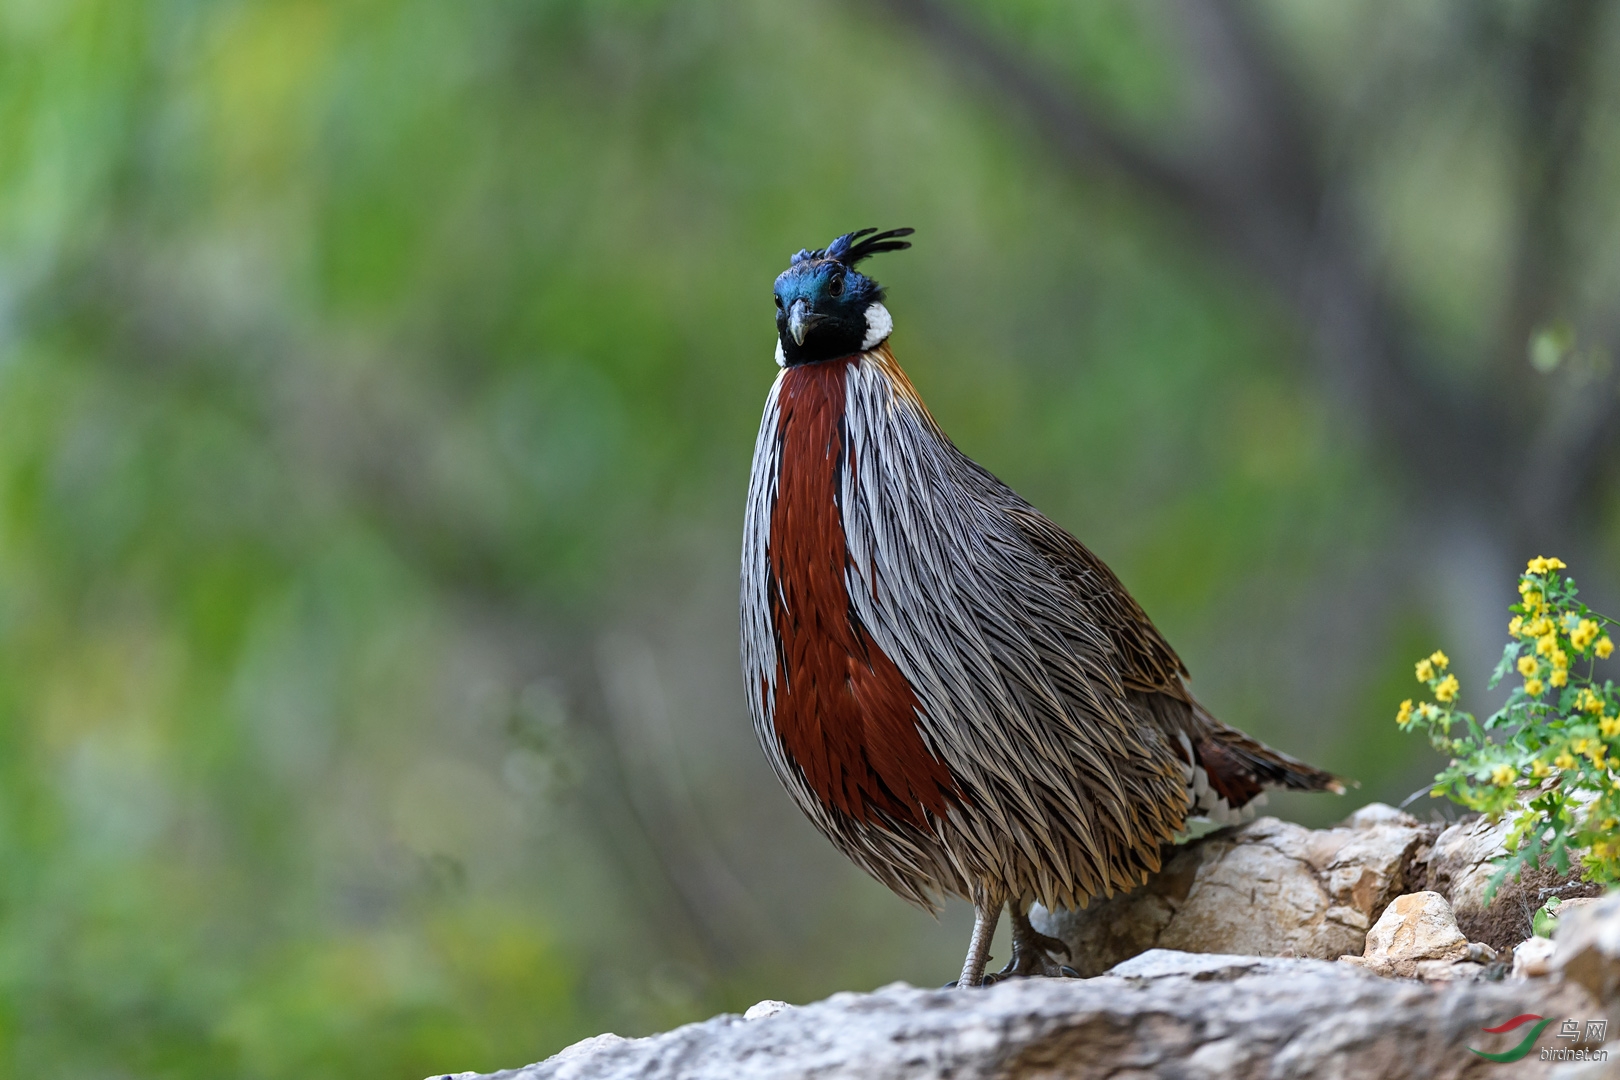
(825, 308)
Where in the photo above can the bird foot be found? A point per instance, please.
(985, 981)
(1034, 953)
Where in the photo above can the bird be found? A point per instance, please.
(954, 690)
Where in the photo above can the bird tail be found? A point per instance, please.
(1229, 769)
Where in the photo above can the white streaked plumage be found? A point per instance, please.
(1067, 794)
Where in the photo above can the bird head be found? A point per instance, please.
(825, 308)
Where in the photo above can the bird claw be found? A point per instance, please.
(1035, 953)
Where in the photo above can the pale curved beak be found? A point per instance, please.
(801, 320)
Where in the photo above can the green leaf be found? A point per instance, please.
(1505, 666)
(1545, 920)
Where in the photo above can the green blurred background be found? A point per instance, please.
(378, 382)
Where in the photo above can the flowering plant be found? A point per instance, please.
(1550, 756)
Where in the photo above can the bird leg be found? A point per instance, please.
(986, 913)
(1033, 953)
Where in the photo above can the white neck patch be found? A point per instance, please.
(781, 358)
(879, 325)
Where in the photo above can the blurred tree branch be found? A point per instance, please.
(1254, 181)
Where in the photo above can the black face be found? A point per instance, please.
(821, 310)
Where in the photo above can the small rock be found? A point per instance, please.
(761, 1009)
(1533, 957)
(1415, 927)
(1480, 953)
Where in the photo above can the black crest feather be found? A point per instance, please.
(850, 249)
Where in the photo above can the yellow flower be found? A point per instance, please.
(1586, 701)
(1546, 644)
(1540, 565)
(1528, 666)
(1503, 775)
(1604, 646)
(1533, 601)
(1555, 563)
(1404, 716)
(1515, 625)
(1564, 761)
(1533, 687)
(1440, 660)
(1595, 750)
(1560, 658)
(1425, 670)
(1541, 625)
(1447, 689)
(1579, 746)
(1559, 677)
(1538, 768)
(1525, 585)
(1609, 726)
(1584, 634)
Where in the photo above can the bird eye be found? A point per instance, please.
(836, 286)
(778, 303)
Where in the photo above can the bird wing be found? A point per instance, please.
(1146, 661)
(1239, 766)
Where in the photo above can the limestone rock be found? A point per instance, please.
(1196, 1017)
(1277, 889)
(1268, 888)
(1415, 937)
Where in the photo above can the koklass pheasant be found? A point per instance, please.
(957, 692)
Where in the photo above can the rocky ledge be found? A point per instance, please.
(1406, 985)
(1272, 888)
